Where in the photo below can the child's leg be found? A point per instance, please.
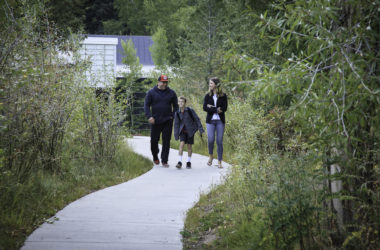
(180, 151)
(189, 152)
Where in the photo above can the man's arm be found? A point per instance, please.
(176, 126)
(147, 104)
(175, 103)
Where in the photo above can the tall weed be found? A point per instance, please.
(272, 197)
(58, 139)
(24, 206)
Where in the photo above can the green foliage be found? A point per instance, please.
(113, 27)
(38, 95)
(66, 15)
(60, 138)
(132, 17)
(270, 199)
(24, 206)
(128, 94)
(159, 49)
(129, 90)
(100, 15)
(310, 89)
(168, 15)
(334, 88)
(200, 48)
(145, 17)
(93, 123)
(130, 59)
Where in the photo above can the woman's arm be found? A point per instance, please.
(208, 107)
(224, 104)
(175, 104)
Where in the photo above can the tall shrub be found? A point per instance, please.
(333, 80)
(46, 100)
(38, 93)
(130, 89)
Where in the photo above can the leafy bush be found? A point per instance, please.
(59, 140)
(306, 120)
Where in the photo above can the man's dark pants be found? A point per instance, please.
(166, 130)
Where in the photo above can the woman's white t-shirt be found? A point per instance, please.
(215, 116)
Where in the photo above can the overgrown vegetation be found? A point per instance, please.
(26, 205)
(303, 125)
(130, 89)
(59, 136)
(271, 197)
(303, 121)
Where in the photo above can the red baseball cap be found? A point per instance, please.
(163, 78)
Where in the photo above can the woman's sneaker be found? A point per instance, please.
(179, 165)
(188, 164)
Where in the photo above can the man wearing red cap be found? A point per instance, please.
(160, 105)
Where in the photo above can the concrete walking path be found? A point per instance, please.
(144, 213)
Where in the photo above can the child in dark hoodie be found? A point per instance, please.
(186, 123)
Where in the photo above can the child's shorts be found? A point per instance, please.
(184, 137)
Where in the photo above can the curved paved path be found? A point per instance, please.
(144, 213)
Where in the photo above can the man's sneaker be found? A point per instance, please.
(156, 162)
(188, 164)
(165, 164)
(179, 165)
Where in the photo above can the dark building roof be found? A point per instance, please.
(142, 44)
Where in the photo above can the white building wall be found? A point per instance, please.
(101, 52)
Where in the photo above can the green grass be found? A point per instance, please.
(202, 221)
(210, 224)
(23, 207)
(219, 221)
(253, 209)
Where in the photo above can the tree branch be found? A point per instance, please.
(357, 75)
(311, 84)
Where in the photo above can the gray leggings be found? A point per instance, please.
(218, 127)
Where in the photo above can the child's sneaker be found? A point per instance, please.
(179, 165)
(165, 164)
(156, 162)
(188, 164)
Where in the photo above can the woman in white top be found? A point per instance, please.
(215, 104)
